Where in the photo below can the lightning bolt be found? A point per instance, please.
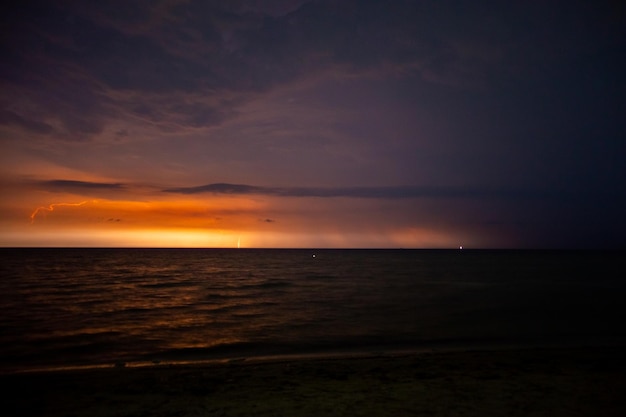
(51, 207)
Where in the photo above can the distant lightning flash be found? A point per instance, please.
(51, 207)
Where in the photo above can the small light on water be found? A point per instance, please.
(314, 255)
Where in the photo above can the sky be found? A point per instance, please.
(306, 123)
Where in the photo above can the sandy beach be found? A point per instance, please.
(529, 382)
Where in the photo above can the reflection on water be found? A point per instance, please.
(73, 306)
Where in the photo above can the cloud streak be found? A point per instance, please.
(73, 186)
(399, 192)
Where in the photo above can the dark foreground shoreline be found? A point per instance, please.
(524, 382)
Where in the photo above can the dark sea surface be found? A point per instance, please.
(76, 307)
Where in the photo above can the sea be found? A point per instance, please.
(66, 308)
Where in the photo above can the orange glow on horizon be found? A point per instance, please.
(209, 238)
(185, 214)
(215, 221)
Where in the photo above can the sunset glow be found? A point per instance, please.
(304, 123)
(218, 222)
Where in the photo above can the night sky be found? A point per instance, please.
(295, 123)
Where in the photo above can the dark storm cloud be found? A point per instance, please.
(74, 67)
(190, 65)
(78, 72)
(71, 68)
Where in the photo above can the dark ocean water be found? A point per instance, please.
(74, 307)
